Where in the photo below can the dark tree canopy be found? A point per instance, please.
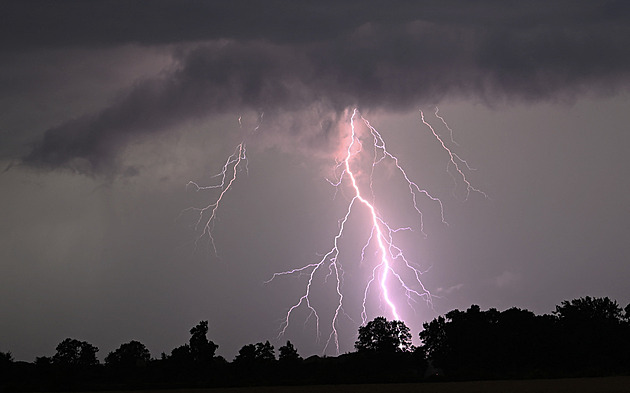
(72, 352)
(6, 360)
(258, 353)
(434, 338)
(587, 309)
(476, 342)
(265, 352)
(180, 356)
(383, 336)
(201, 349)
(130, 354)
(6, 357)
(247, 354)
(43, 361)
(592, 333)
(583, 336)
(288, 353)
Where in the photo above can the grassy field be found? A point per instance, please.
(572, 385)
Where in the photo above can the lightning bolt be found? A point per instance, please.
(392, 265)
(454, 159)
(392, 270)
(450, 130)
(207, 215)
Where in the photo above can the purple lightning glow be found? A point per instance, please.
(391, 261)
(392, 270)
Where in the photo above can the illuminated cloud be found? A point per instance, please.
(286, 58)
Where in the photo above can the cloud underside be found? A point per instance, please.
(377, 61)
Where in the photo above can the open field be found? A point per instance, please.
(570, 385)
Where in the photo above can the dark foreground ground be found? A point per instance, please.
(569, 385)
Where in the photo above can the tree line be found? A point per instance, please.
(582, 337)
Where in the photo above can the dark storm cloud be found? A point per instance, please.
(81, 23)
(286, 57)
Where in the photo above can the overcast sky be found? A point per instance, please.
(110, 108)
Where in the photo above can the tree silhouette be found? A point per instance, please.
(585, 336)
(582, 337)
(435, 341)
(6, 358)
(43, 365)
(246, 355)
(43, 361)
(181, 355)
(75, 353)
(383, 336)
(593, 334)
(131, 354)
(589, 310)
(258, 353)
(488, 343)
(288, 353)
(265, 352)
(195, 356)
(201, 349)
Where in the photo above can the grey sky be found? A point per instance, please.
(109, 111)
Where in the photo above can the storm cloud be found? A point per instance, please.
(284, 58)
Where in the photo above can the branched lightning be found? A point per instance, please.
(450, 130)
(391, 261)
(454, 159)
(392, 270)
(207, 215)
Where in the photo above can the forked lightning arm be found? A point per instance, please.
(208, 214)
